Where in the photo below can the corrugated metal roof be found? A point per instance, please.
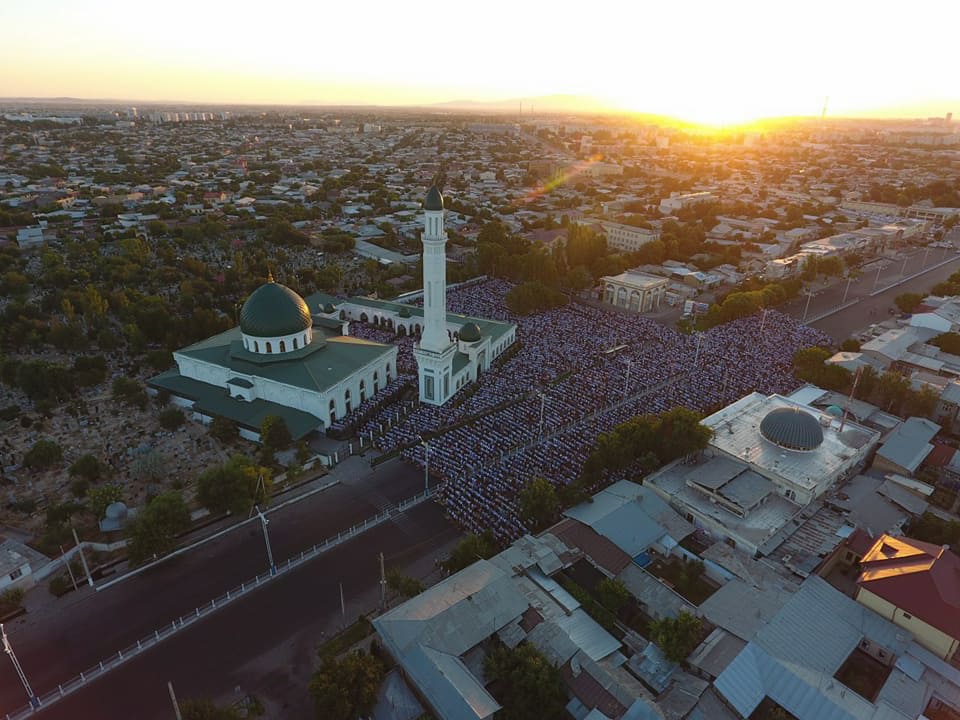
(909, 444)
(454, 693)
(794, 658)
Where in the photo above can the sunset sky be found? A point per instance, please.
(706, 61)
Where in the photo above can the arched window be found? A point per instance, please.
(283, 346)
(256, 346)
(376, 382)
(388, 372)
(363, 391)
(346, 400)
(333, 412)
(269, 348)
(296, 345)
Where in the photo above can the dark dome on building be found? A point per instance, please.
(274, 310)
(792, 428)
(434, 200)
(470, 332)
(329, 308)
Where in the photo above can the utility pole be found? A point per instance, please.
(626, 381)
(807, 308)
(83, 558)
(696, 357)
(8, 649)
(877, 281)
(173, 699)
(925, 256)
(266, 539)
(903, 268)
(343, 606)
(763, 321)
(383, 586)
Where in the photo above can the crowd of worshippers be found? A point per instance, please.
(578, 372)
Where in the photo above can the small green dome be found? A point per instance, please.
(434, 200)
(274, 310)
(329, 308)
(470, 332)
(404, 312)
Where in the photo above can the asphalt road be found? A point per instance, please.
(59, 638)
(264, 643)
(868, 310)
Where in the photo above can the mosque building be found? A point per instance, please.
(294, 357)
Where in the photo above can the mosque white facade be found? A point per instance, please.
(295, 358)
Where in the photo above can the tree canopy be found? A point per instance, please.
(539, 504)
(346, 689)
(155, 530)
(235, 486)
(471, 549)
(678, 636)
(648, 441)
(44, 454)
(525, 683)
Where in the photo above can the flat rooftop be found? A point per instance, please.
(737, 433)
(759, 524)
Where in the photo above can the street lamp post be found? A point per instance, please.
(8, 649)
(877, 281)
(543, 403)
(849, 280)
(626, 381)
(266, 539)
(925, 256)
(426, 465)
(903, 268)
(807, 308)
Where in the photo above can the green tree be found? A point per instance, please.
(404, 584)
(893, 389)
(274, 433)
(88, 467)
(99, 498)
(235, 486)
(948, 342)
(43, 454)
(532, 296)
(471, 549)
(923, 402)
(681, 434)
(678, 636)
(346, 689)
(130, 391)
(613, 594)
(155, 530)
(539, 504)
(908, 302)
(528, 685)
(172, 418)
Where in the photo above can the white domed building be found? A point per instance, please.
(282, 361)
(770, 457)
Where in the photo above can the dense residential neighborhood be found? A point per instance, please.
(479, 415)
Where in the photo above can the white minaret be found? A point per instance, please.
(435, 338)
(434, 353)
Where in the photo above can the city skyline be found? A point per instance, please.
(703, 63)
